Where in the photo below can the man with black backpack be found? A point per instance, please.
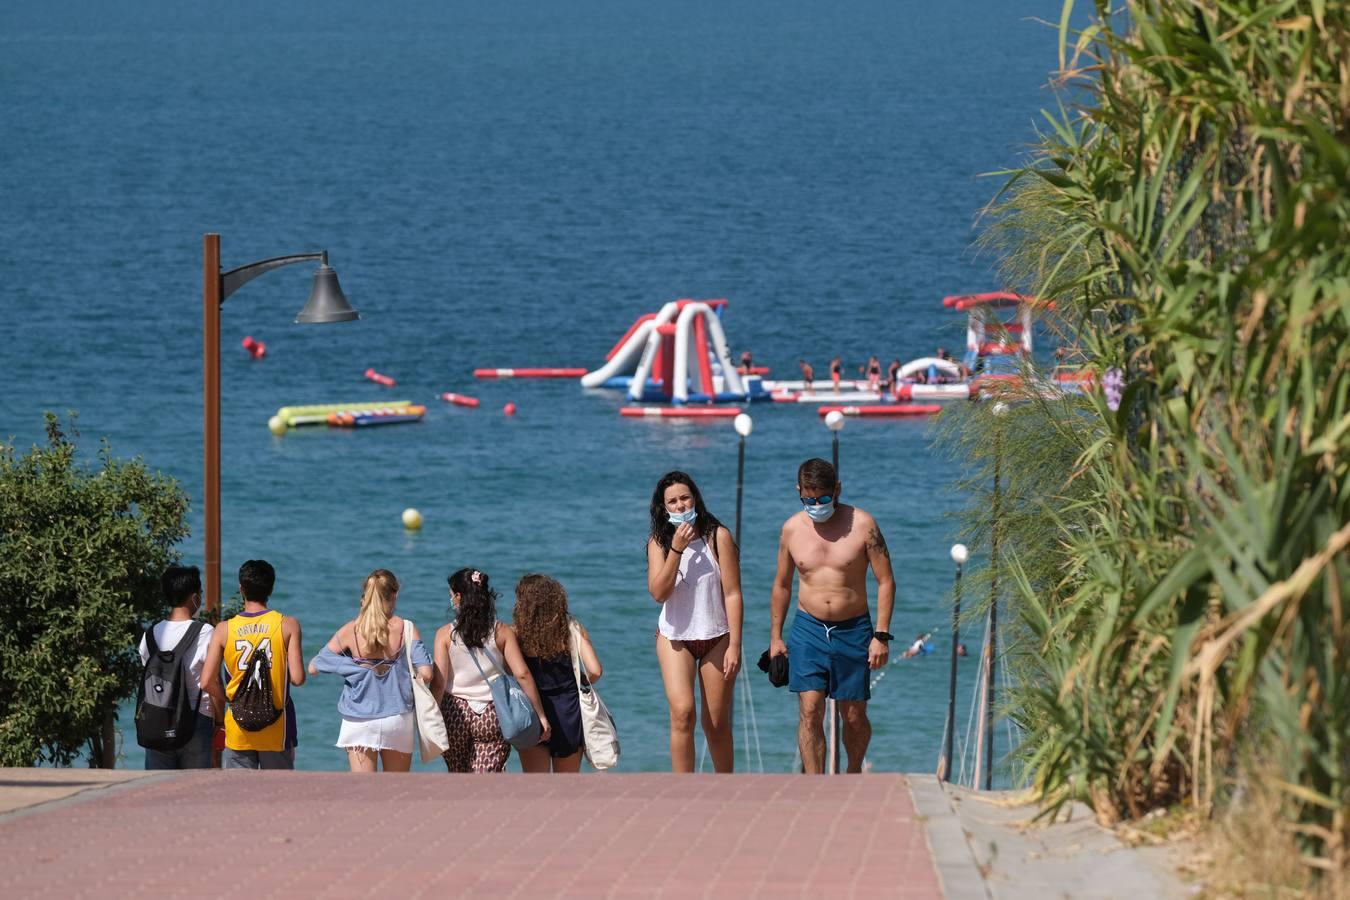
(260, 650)
(174, 721)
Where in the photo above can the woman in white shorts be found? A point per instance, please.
(371, 655)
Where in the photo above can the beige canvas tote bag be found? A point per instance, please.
(597, 725)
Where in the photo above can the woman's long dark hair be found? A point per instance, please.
(477, 606)
(705, 523)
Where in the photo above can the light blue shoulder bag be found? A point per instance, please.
(515, 713)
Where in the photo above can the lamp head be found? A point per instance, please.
(834, 420)
(744, 425)
(326, 302)
(960, 554)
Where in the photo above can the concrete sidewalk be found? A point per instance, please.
(986, 847)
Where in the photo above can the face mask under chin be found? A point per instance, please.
(678, 519)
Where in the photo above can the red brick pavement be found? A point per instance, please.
(315, 834)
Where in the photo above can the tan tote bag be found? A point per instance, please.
(597, 725)
(430, 724)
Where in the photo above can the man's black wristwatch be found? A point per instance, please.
(884, 636)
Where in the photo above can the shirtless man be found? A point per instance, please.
(808, 375)
(831, 646)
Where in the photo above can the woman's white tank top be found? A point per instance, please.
(696, 609)
(468, 684)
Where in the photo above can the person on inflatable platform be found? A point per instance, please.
(836, 371)
(694, 572)
(808, 375)
(832, 645)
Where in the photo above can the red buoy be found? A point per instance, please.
(380, 379)
(459, 399)
(509, 409)
(256, 349)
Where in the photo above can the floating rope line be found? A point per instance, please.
(970, 718)
(754, 726)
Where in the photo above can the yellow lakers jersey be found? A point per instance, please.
(245, 635)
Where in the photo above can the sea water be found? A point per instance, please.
(509, 185)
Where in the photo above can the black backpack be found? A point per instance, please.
(166, 701)
(252, 707)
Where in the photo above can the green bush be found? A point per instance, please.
(81, 552)
(1184, 623)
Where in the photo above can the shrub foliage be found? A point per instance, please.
(81, 551)
(1184, 597)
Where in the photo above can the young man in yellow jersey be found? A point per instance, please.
(256, 629)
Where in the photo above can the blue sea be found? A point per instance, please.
(509, 184)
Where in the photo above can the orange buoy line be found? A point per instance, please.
(459, 399)
(528, 373)
(681, 412)
(890, 411)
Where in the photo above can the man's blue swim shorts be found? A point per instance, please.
(830, 656)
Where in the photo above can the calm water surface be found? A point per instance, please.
(497, 186)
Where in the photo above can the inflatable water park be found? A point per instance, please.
(678, 355)
(676, 363)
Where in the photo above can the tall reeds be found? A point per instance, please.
(1178, 548)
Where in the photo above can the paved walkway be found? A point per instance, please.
(318, 834)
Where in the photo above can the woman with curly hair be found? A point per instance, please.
(465, 651)
(544, 627)
(694, 572)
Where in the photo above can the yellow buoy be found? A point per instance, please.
(277, 425)
(412, 519)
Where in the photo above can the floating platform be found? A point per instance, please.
(295, 416)
(890, 411)
(820, 384)
(935, 392)
(680, 412)
(829, 397)
(392, 415)
(528, 373)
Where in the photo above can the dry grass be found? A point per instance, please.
(1250, 852)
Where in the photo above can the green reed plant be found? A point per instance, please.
(1182, 581)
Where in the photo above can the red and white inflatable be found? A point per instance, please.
(680, 345)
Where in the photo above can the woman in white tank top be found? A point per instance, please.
(694, 572)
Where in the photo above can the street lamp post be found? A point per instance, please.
(744, 425)
(326, 303)
(834, 421)
(959, 556)
(1000, 411)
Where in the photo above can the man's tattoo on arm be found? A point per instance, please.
(877, 543)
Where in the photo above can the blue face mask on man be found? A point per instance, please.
(683, 518)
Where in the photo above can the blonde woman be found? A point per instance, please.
(543, 625)
(377, 699)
